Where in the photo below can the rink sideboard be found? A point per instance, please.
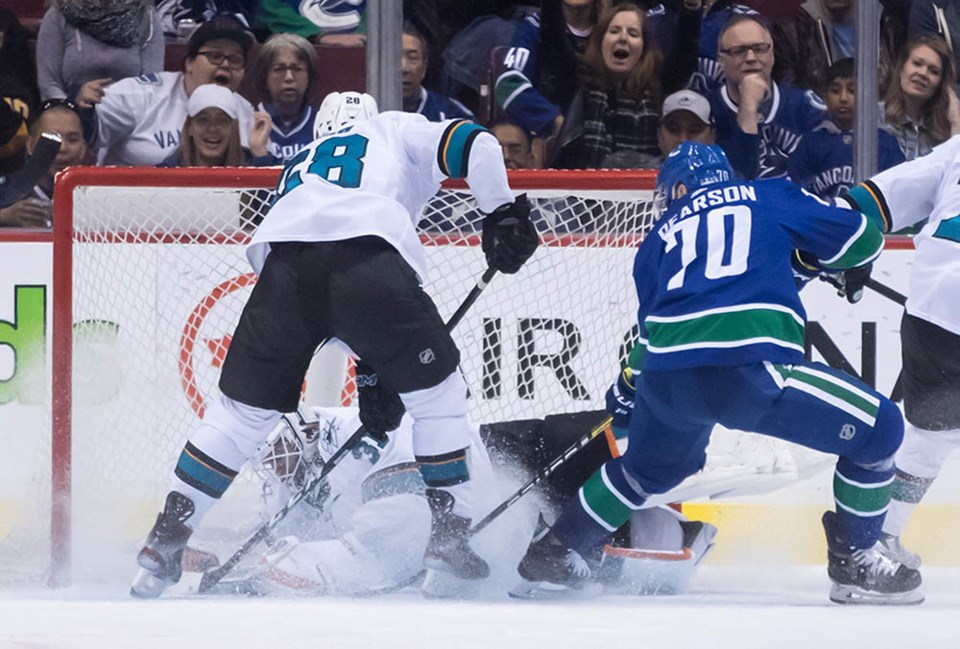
(863, 338)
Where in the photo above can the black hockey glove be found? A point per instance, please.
(620, 398)
(509, 238)
(380, 407)
(852, 281)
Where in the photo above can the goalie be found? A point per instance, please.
(365, 529)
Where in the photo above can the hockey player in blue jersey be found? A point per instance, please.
(723, 326)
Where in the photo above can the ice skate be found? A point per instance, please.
(449, 550)
(161, 556)
(552, 571)
(893, 548)
(868, 576)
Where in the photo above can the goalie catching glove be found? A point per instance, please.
(380, 407)
(509, 238)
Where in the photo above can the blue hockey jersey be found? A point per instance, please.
(439, 108)
(714, 279)
(788, 116)
(287, 140)
(823, 161)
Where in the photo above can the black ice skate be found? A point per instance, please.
(550, 570)
(869, 576)
(161, 556)
(448, 550)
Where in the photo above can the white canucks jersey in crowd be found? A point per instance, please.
(139, 120)
(926, 188)
(374, 178)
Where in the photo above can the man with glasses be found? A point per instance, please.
(759, 122)
(137, 121)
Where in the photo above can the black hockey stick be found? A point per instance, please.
(18, 185)
(542, 474)
(212, 577)
(887, 292)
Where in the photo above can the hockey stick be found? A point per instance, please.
(541, 475)
(887, 292)
(212, 577)
(878, 287)
(18, 185)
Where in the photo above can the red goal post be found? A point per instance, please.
(149, 277)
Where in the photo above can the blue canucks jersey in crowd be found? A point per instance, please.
(438, 108)
(714, 277)
(286, 141)
(788, 116)
(823, 162)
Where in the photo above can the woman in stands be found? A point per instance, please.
(210, 136)
(623, 83)
(96, 40)
(920, 107)
(286, 72)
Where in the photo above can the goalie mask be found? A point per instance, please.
(341, 109)
(689, 167)
(289, 455)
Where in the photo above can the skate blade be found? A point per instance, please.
(146, 585)
(440, 584)
(859, 597)
(545, 590)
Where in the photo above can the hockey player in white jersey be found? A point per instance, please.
(927, 191)
(338, 257)
(136, 121)
(367, 527)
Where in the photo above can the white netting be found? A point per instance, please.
(160, 278)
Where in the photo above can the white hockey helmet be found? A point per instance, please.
(341, 109)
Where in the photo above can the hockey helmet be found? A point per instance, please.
(688, 167)
(340, 109)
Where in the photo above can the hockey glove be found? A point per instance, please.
(852, 281)
(620, 398)
(509, 238)
(380, 407)
(805, 267)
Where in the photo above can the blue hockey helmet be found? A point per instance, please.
(691, 165)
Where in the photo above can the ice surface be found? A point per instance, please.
(727, 607)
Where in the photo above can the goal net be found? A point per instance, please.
(149, 281)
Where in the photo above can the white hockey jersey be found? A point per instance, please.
(139, 120)
(924, 188)
(366, 530)
(374, 178)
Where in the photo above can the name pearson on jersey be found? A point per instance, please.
(705, 198)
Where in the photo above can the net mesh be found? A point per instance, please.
(160, 278)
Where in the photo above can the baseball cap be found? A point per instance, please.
(220, 26)
(689, 101)
(210, 95)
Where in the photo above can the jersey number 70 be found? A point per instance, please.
(728, 243)
(337, 160)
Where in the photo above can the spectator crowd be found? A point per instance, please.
(574, 84)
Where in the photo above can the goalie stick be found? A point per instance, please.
(18, 185)
(212, 577)
(542, 474)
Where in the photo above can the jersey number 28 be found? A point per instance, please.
(728, 243)
(337, 160)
